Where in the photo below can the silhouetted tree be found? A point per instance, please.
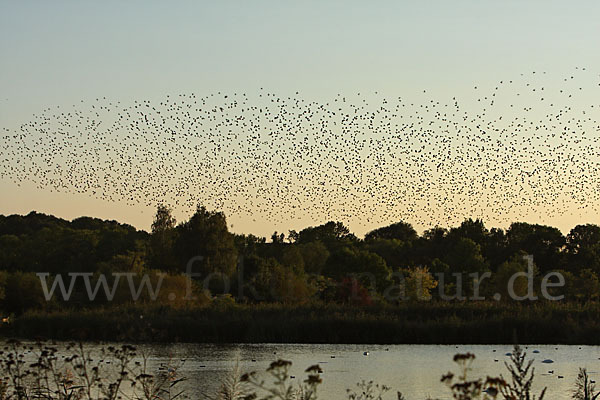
(545, 243)
(400, 230)
(583, 247)
(328, 233)
(162, 240)
(206, 235)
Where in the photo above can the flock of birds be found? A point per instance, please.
(519, 148)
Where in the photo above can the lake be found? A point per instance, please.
(415, 370)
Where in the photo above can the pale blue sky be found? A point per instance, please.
(59, 52)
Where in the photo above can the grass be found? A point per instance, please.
(424, 323)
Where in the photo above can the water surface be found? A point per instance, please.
(415, 370)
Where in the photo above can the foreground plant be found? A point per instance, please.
(522, 375)
(232, 387)
(161, 385)
(112, 375)
(463, 388)
(585, 389)
(368, 391)
(282, 388)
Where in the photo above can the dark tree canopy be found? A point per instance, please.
(305, 266)
(326, 233)
(205, 234)
(400, 230)
(163, 240)
(471, 229)
(545, 243)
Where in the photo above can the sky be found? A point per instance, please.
(61, 53)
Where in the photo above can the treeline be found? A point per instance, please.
(38, 242)
(319, 264)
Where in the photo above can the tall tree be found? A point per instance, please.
(400, 230)
(205, 234)
(328, 233)
(162, 240)
(545, 243)
(583, 248)
(464, 255)
(471, 229)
